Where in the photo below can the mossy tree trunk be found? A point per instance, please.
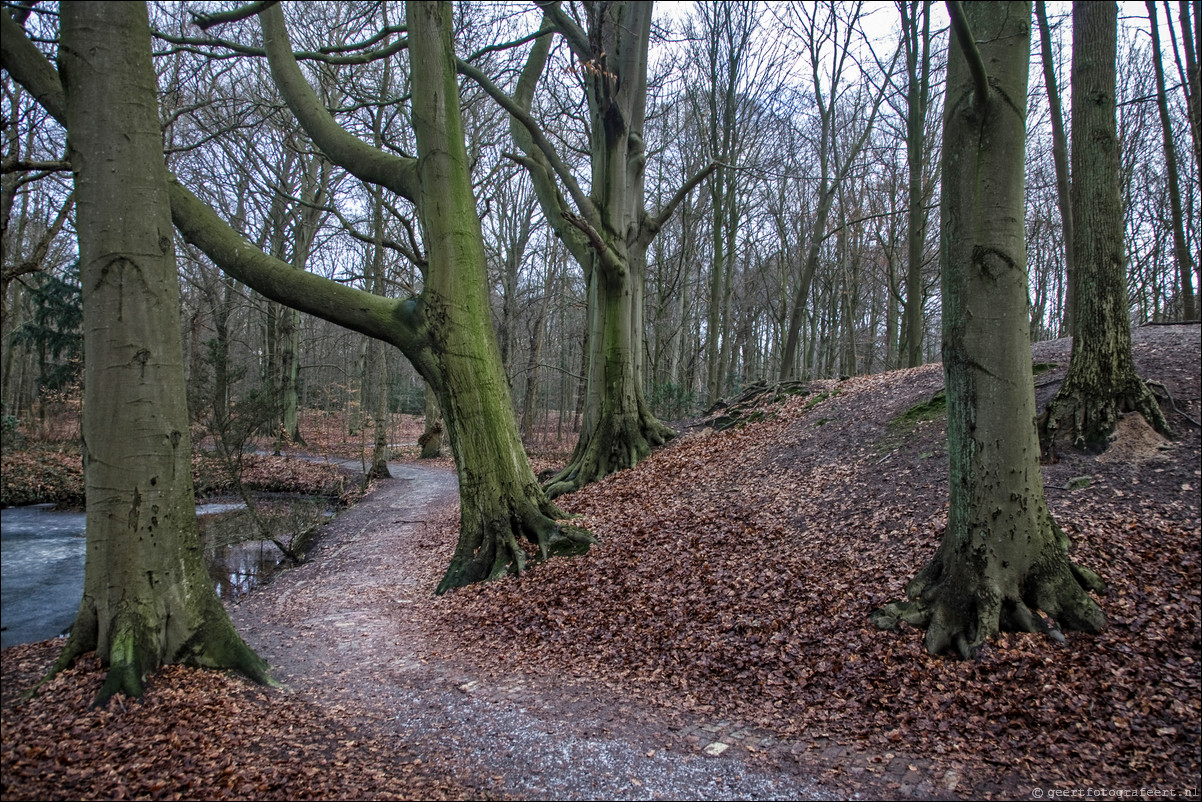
(148, 598)
(446, 332)
(1002, 559)
(1101, 383)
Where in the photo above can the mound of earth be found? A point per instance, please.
(738, 568)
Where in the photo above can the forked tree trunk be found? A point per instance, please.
(148, 598)
(1002, 559)
(608, 232)
(1101, 383)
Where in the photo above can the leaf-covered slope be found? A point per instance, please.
(738, 568)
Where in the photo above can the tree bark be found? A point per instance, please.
(1101, 383)
(148, 598)
(1002, 558)
(431, 437)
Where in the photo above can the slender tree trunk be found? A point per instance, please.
(1101, 383)
(1185, 260)
(148, 598)
(1060, 159)
(1002, 558)
(537, 336)
(1192, 85)
(918, 69)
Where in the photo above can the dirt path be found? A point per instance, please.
(351, 630)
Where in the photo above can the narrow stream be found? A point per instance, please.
(42, 565)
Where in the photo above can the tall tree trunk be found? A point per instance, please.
(918, 71)
(1002, 558)
(500, 498)
(1101, 382)
(148, 598)
(1060, 159)
(377, 372)
(1192, 85)
(534, 356)
(1181, 251)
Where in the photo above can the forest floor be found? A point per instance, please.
(716, 644)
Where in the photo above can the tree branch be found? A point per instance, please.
(325, 55)
(28, 67)
(572, 33)
(652, 225)
(537, 136)
(386, 319)
(968, 45)
(15, 165)
(360, 159)
(206, 21)
(594, 237)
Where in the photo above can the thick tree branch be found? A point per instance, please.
(28, 67)
(359, 158)
(206, 21)
(15, 165)
(572, 33)
(386, 319)
(972, 55)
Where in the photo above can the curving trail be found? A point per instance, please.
(352, 630)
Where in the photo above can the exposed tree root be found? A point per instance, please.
(961, 607)
(494, 546)
(616, 443)
(1089, 418)
(136, 647)
(736, 409)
